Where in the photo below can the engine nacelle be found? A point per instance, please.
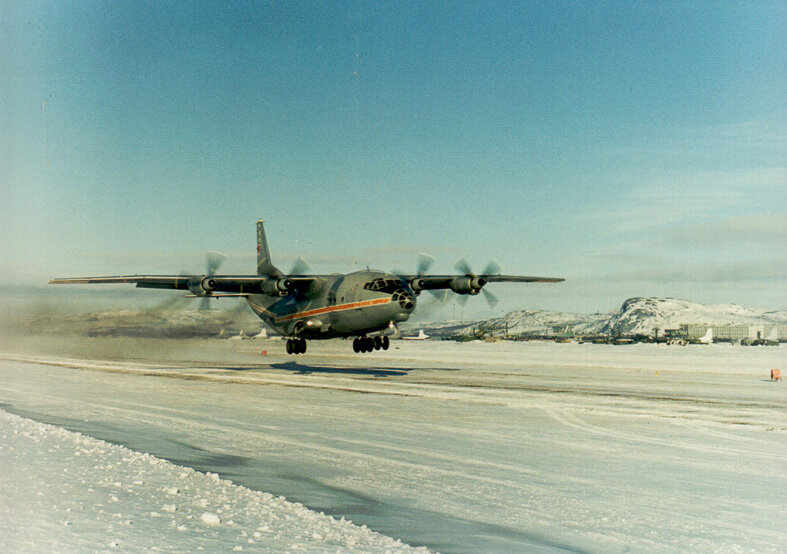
(417, 284)
(276, 287)
(201, 286)
(467, 284)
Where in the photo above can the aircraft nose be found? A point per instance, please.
(404, 298)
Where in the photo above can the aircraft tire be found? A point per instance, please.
(302, 347)
(378, 343)
(356, 346)
(386, 343)
(289, 346)
(369, 344)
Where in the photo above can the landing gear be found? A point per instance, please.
(363, 344)
(296, 346)
(367, 344)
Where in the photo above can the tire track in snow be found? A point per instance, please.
(222, 430)
(562, 415)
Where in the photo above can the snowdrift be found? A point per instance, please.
(65, 492)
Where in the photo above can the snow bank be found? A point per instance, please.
(63, 491)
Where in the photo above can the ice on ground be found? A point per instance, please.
(472, 447)
(62, 491)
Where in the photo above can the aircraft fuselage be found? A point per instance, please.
(338, 306)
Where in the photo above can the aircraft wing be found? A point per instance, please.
(143, 281)
(444, 281)
(520, 279)
(243, 284)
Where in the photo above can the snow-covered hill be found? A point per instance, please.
(528, 322)
(643, 315)
(636, 316)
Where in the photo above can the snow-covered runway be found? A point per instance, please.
(459, 447)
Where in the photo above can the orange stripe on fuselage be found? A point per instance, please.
(338, 308)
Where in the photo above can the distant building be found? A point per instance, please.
(693, 331)
(732, 333)
(674, 334)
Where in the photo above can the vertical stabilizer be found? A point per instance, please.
(264, 265)
(708, 338)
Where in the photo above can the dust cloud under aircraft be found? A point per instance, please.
(365, 305)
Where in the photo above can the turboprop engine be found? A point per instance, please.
(276, 287)
(417, 284)
(201, 285)
(467, 284)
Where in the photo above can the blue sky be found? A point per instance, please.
(633, 148)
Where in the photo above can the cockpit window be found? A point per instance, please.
(384, 285)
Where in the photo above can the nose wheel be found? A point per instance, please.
(296, 346)
(367, 344)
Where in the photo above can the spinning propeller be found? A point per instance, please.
(299, 267)
(213, 261)
(492, 268)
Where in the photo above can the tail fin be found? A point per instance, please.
(264, 265)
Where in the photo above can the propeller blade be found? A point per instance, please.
(491, 299)
(204, 303)
(462, 298)
(299, 267)
(441, 295)
(426, 309)
(214, 261)
(425, 261)
(240, 307)
(463, 267)
(492, 268)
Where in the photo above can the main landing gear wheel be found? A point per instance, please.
(296, 346)
(362, 344)
(368, 344)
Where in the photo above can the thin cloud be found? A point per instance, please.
(729, 273)
(759, 230)
(646, 201)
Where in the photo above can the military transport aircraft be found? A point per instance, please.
(365, 304)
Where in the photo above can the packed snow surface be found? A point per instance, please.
(472, 447)
(63, 491)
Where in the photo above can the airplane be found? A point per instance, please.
(420, 336)
(365, 305)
